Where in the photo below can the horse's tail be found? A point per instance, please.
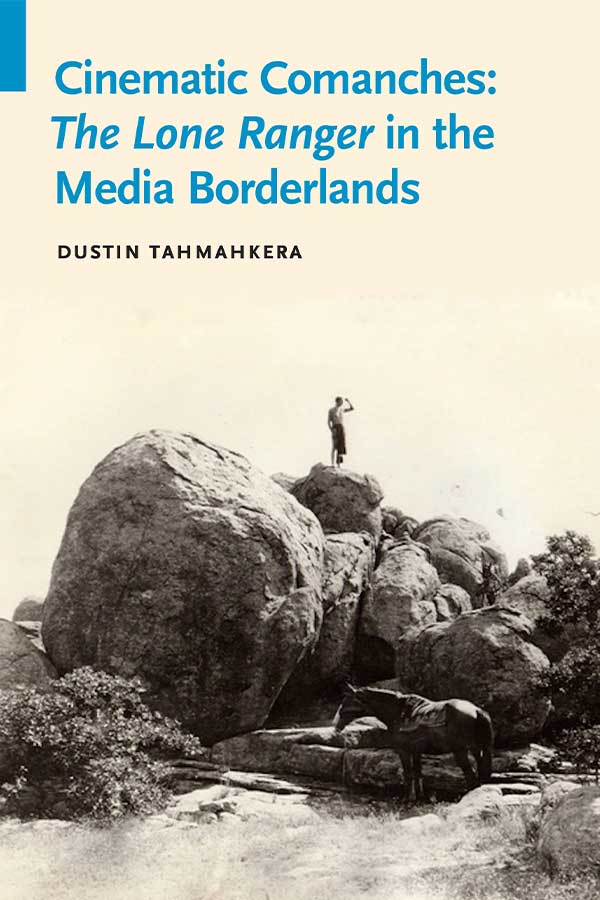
(485, 737)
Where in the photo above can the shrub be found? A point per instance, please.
(581, 746)
(574, 684)
(89, 743)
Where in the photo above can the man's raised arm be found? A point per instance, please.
(349, 408)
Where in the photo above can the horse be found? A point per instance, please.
(418, 726)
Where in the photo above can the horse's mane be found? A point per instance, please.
(408, 705)
(410, 700)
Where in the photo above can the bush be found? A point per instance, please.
(581, 746)
(86, 746)
(574, 685)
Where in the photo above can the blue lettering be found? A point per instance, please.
(63, 187)
(71, 64)
(265, 73)
(200, 189)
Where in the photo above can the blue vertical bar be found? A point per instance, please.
(13, 75)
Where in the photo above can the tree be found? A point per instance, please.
(572, 573)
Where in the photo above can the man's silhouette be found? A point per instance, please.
(335, 421)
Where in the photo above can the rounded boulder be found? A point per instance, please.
(183, 564)
(458, 548)
(30, 609)
(485, 656)
(569, 839)
(342, 500)
(531, 596)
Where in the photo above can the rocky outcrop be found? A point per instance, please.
(530, 596)
(401, 598)
(30, 609)
(360, 756)
(457, 551)
(183, 564)
(348, 565)
(451, 601)
(21, 664)
(485, 656)
(342, 500)
(213, 803)
(569, 840)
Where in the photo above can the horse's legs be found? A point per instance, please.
(409, 776)
(420, 788)
(462, 758)
(483, 756)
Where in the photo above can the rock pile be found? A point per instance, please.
(227, 591)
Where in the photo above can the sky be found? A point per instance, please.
(490, 409)
(464, 329)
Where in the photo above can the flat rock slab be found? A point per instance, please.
(520, 788)
(219, 802)
(316, 754)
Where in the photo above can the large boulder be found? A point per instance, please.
(530, 596)
(348, 565)
(341, 500)
(458, 549)
(21, 664)
(30, 609)
(183, 564)
(401, 598)
(485, 656)
(569, 838)
(451, 601)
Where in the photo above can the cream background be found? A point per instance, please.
(465, 329)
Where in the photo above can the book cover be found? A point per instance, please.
(356, 246)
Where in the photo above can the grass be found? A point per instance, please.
(359, 850)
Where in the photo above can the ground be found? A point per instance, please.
(335, 847)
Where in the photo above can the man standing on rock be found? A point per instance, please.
(335, 421)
